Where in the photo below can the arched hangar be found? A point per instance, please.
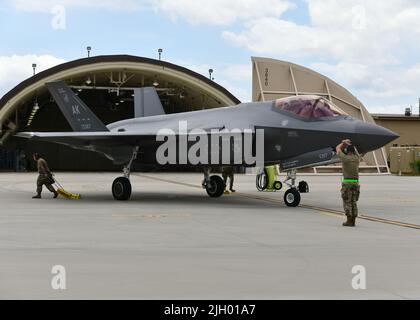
(273, 79)
(105, 84)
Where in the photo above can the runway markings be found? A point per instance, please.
(325, 211)
(340, 214)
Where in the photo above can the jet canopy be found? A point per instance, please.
(308, 107)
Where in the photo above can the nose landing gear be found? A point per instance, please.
(292, 196)
(267, 181)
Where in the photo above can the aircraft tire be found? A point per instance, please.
(215, 187)
(292, 197)
(121, 189)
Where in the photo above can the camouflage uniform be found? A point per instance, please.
(227, 172)
(44, 177)
(350, 191)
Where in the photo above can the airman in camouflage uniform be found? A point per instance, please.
(350, 188)
(44, 177)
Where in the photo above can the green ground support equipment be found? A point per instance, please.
(267, 180)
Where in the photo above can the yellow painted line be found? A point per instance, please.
(367, 217)
(325, 211)
(393, 222)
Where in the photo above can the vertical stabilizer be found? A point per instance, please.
(79, 116)
(147, 103)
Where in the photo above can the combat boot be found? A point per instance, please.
(351, 222)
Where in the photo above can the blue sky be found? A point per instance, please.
(368, 46)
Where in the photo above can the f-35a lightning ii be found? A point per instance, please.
(297, 132)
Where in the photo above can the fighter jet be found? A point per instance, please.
(294, 132)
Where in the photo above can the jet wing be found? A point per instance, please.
(116, 146)
(86, 138)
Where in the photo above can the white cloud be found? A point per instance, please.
(276, 36)
(234, 77)
(221, 12)
(339, 30)
(407, 19)
(239, 92)
(393, 109)
(366, 46)
(363, 45)
(375, 82)
(47, 5)
(240, 72)
(16, 68)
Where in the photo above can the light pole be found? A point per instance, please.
(88, 48)
(210, 73)
(34, 67)
(160, 53)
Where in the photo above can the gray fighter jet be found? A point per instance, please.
(300, 131)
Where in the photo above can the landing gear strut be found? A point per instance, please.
(214, 185)
(292, 196)
(121, 187)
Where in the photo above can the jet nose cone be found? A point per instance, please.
(372, 136)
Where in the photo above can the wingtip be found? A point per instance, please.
(26, 135)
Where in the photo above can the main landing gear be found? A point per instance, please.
(214, 185)
(121, 187)
(292, 196)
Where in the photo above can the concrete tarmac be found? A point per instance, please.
(171, 241)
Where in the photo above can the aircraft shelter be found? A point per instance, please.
(106, 83)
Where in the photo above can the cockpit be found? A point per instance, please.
(308, 107)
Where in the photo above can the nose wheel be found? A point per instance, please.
(292, 197)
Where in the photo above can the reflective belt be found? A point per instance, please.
(350, 181)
